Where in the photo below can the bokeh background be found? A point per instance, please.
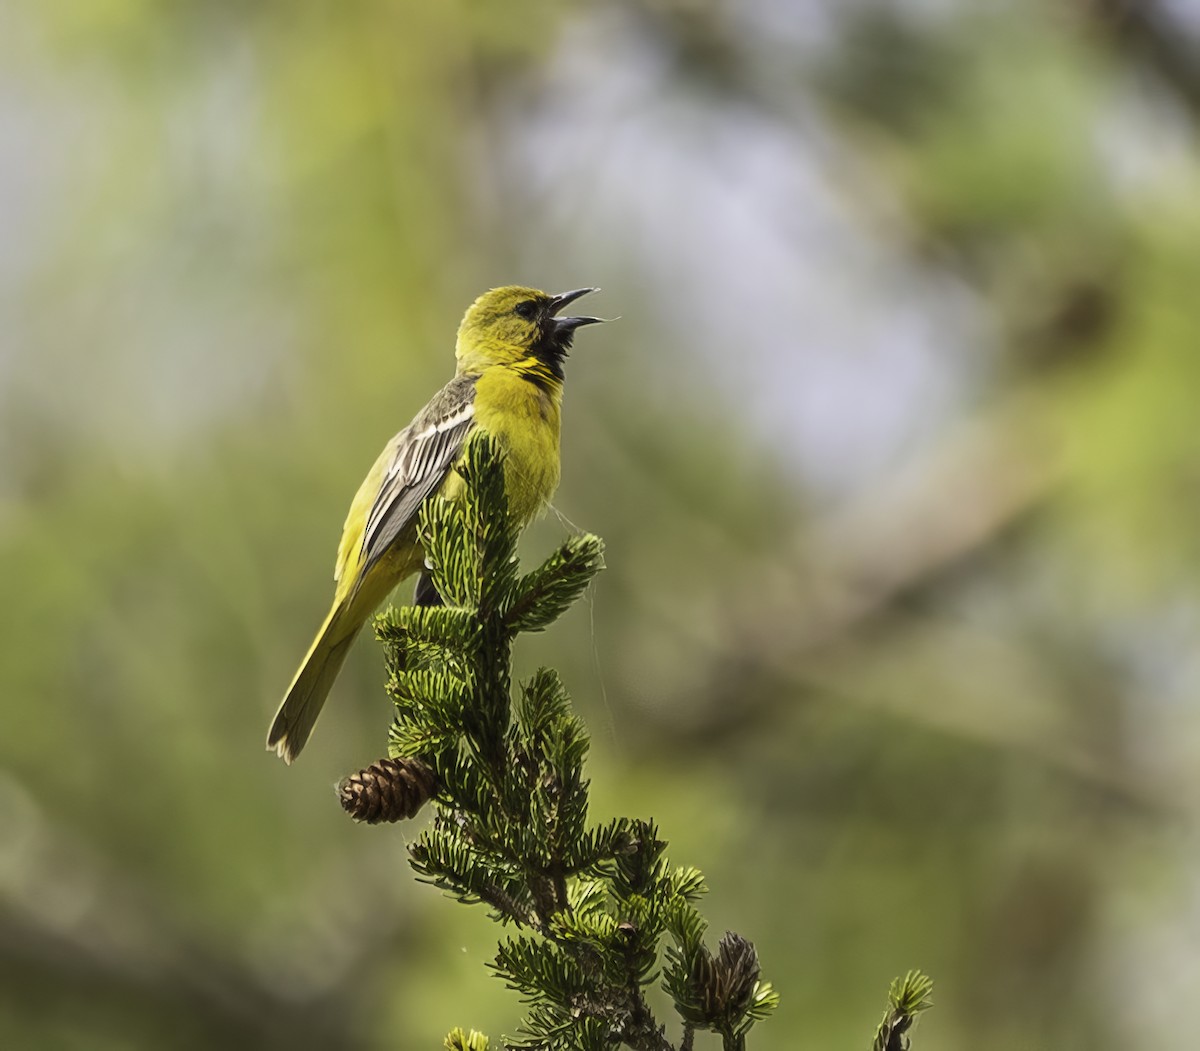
(895, 449)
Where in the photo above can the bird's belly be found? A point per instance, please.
(525, 420)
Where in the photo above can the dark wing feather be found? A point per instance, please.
(425, 452)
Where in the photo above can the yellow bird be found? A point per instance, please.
(509, 382)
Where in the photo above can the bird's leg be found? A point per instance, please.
(425, 594)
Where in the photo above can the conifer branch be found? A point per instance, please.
(591, 905)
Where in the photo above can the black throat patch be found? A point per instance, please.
(552, 347)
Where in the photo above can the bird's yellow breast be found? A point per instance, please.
(525, 417)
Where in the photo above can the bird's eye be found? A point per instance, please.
(526, 308)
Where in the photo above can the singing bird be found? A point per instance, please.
(509, 381)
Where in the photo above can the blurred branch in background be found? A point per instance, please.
(78, 926)
(931, 520)
(1146, 30)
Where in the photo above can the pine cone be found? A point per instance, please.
(387, 790)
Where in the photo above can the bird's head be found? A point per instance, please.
(511, 324)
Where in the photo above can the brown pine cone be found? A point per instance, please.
(387, 790)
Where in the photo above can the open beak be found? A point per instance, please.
(570, 324)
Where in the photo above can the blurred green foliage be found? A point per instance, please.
(935, 712)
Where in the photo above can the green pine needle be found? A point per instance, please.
(458, 1040)
(908, 997)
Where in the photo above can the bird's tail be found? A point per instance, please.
(306, 696)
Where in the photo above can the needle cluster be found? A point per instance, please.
(907, 999)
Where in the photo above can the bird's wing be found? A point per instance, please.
(412, 466)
